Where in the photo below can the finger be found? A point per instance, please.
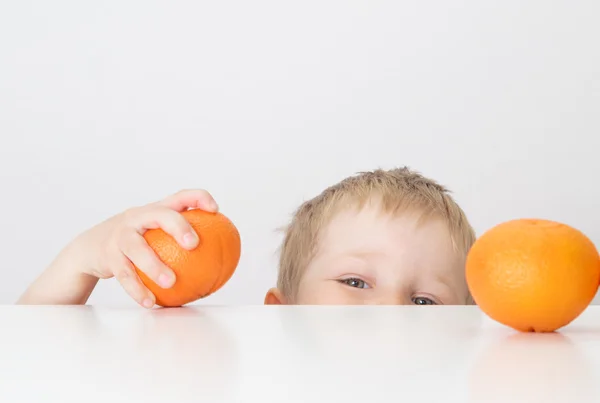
(143, 257)
(125, 274)
(172, 222)
(194, 198)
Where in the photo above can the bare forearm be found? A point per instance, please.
(63, 283)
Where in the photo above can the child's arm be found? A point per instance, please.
(111, 248)
(64, 282)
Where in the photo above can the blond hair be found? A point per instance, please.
(398, 189)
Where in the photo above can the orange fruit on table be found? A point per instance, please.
(201, 271)
(533, 275)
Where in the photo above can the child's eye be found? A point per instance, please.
(355, 282)
(423, 301)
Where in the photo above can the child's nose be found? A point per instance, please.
(394, 299)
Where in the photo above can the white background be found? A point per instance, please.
(106, 105)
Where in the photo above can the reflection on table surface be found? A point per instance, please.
(533, 368)
(291, 354)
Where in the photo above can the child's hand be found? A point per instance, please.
(114, 246)
(111, 248)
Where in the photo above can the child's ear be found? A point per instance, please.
(274, 297)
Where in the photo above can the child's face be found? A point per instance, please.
(368, 257)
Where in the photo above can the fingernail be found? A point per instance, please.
(147, 303)
(165, 280)
(190, 239)
(213, 205)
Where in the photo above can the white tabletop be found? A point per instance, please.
(290, 354)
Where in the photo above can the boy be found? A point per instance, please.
(381, 237)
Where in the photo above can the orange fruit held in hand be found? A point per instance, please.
(533, 275)
(201, 271)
